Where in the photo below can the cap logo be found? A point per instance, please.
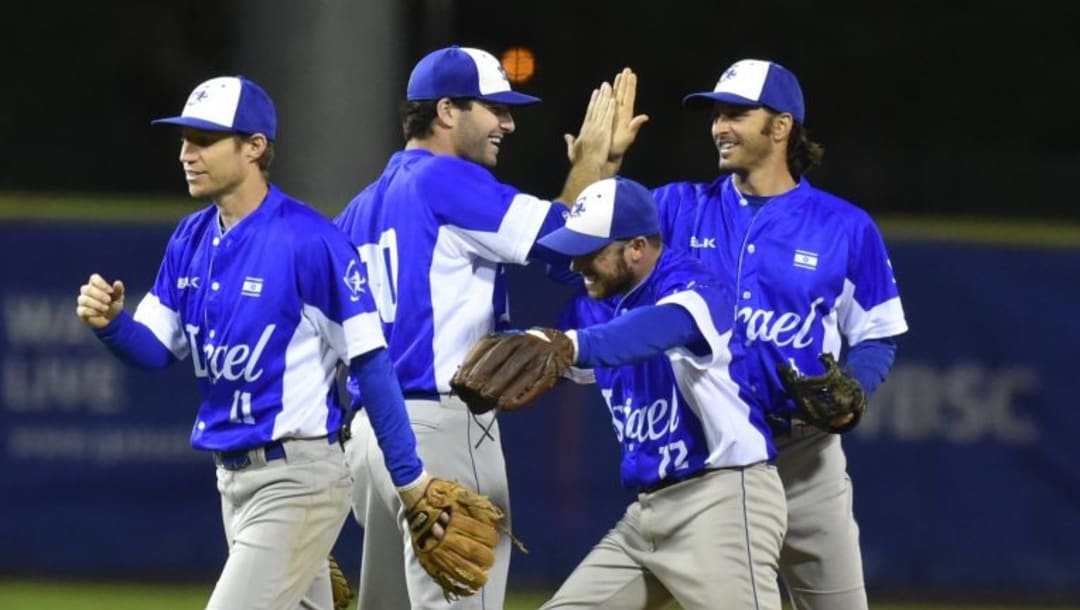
(198, 96)
(729, 74)
(577, 210)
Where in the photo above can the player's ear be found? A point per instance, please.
(254, 146)
(446, 112)
(780, 126)
(635, 249)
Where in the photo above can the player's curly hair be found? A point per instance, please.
(803, 154)
(416, 116)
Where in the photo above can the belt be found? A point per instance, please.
(425, 395)
(274, 450)
(669, 481)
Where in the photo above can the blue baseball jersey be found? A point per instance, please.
(809, 272)
(434, 232)
(678, 413)
(267, 310)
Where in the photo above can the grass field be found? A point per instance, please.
(25, 595)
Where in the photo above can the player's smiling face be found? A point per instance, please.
(214, 162)
(480, 131)
(741, 134)
(605, 271)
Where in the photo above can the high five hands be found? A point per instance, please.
(625, 125)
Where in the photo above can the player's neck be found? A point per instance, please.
(436, 145)
(644, 267)
(237, 204)
(764, 182)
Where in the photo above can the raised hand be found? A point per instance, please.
(626, 125)
(593, 142)
(99, 302)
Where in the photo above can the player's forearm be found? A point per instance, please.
(554, 220)
(385, 406)
(869, 362)
(638, 335)
(134, 343)
(584, 172)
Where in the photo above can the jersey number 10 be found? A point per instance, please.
(381, 261)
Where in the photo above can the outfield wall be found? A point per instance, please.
(966, 468)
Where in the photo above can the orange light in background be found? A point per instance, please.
(519, 63)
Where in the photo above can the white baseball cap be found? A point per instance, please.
(463, 72)
(756, 82)
(227, 103)
(607, 210)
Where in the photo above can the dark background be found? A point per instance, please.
(925, 108)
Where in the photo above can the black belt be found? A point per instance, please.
(669, 481)
(274, 450)
(425, 395)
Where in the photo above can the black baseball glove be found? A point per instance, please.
(833, 401)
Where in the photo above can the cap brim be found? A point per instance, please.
(186, 121)
(708, 98)
(510, 98)
(571, 243)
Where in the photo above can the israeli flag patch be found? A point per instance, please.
(252, 287)
(806, 260)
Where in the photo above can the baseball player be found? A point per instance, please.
(707, 525)
(811, 274)
(267, 297)
(434, 232)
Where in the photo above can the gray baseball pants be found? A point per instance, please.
(455, 445)
(821, 563)
(706, 543)
(281, 519)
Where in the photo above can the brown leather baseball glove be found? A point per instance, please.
(339, 585)
(509, 370)
(459, 561)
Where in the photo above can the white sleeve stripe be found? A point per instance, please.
(580, 376)
(358, 335)
(517, 231)
(364, 334)
(857, 324)
(164, 323)
(523, 221)
(699, 310)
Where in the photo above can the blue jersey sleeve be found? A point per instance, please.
(684, 280)
(674, 205)
(869, 362)
(493, 220)
(159, 310)
(636, 336)
(333, 287)
(874, 310)
(134, 343)
(385, 407)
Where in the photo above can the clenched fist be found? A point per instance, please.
(99, 302)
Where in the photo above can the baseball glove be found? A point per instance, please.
(339, 584)
(826, 399)
(510, 370)
(460, 560)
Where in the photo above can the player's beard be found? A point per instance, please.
(747, 153)
(610, 283)
(474, 143)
